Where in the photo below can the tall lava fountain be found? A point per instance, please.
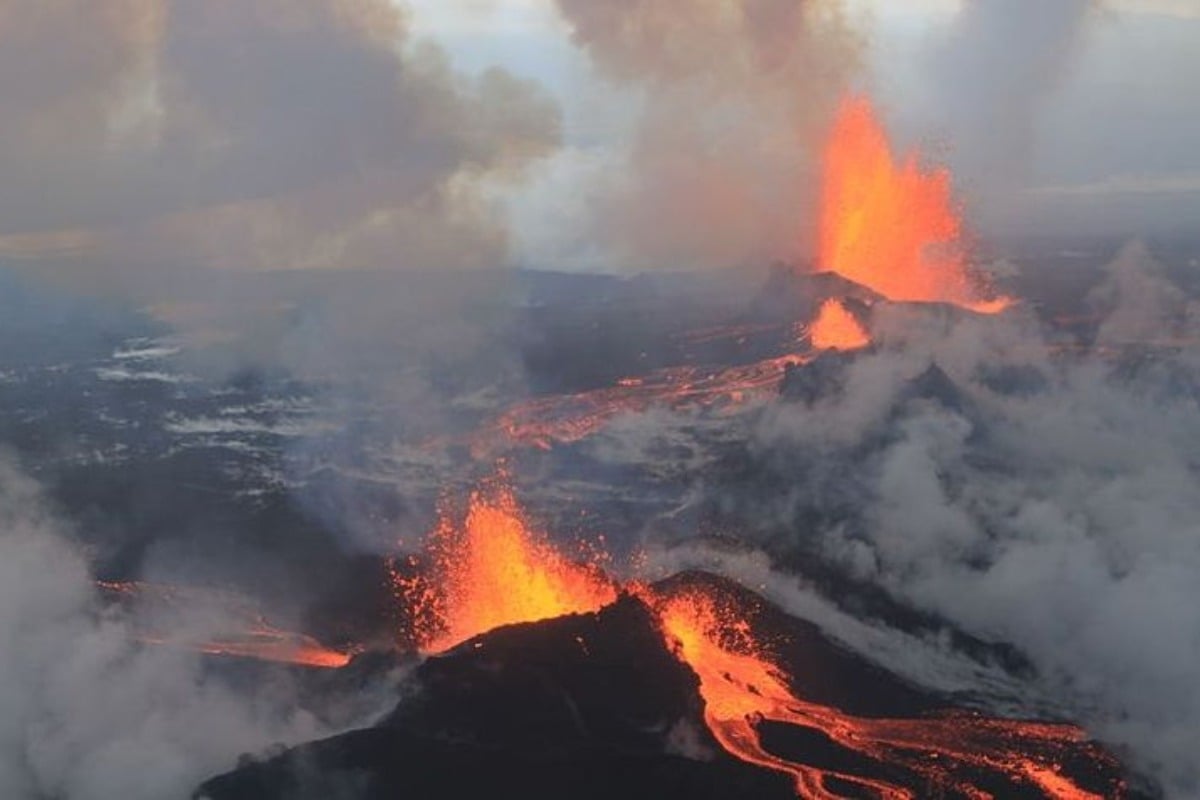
(891, 224)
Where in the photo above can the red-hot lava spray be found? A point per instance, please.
(889, 224)
(835, 328)
(493, 571)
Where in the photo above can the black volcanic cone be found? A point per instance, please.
(816, 379)
(596, 706)
(790, 293)
(578, 707)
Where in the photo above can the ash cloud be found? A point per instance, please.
(734, 99)
(146, 134)
(88, 714)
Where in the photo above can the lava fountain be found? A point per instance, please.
(835, 328)
(492, 570)
(891, 225)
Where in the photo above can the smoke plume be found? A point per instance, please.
(146, 134)
(735, 97)
(1000, 63)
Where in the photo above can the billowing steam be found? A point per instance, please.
(89, 714)
(147, 134)
(1030, 499)
(735, 98)
(1001, 62)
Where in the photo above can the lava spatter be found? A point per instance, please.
(493, 570)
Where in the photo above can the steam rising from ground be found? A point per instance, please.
(87, 714)
(1046, 503)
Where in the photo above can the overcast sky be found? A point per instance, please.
(1112, 143)
(146, 136)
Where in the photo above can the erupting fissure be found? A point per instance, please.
(835, 328)
(492, 570)
(891, 225)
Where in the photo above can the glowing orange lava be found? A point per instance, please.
(244, 631)
(571, 418)
(741, 688)
(891, 226)
(494, 571)
(835, 328)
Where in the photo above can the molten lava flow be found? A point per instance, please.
(741, 688)
(494, 571)
(891, 226)
(244, 631)
(835, 328)
(571, 418)
(263, 644)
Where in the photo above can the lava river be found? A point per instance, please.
(222, 624)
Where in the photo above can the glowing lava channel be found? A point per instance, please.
(494, 571)
(891, 226)
(835, 328)
(741, 687)
(245, 633)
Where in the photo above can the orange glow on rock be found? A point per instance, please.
(835, 328)
(493, 571)
(741, 687)
(891, 225)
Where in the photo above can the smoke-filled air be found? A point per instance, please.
(599, 399)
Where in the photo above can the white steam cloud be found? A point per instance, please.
(142, 135)
(1049, 504)
(85, 712)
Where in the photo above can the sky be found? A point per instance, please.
(1110, 144)
(142, 138)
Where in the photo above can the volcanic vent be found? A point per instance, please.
(542, 672)
(544, 681)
